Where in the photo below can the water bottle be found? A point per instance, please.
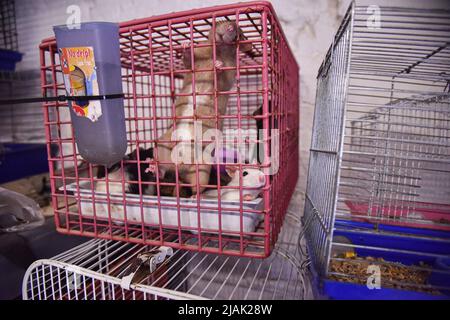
(90, 62)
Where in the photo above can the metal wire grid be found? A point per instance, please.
(152, 78)
(8, 31)
(408, 141)
(326, 143)
(93, 271)
(20, 123)
(387, 161)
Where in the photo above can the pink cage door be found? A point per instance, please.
(183, 213)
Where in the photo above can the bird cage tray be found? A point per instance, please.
(220, 217)
(394, 249)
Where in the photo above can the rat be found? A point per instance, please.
(225, 37)
(251, 178)
(130, 172)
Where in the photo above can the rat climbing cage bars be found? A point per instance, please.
(265, 95)
(379, 172)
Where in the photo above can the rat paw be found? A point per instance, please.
(230, 28)
(185, 45)
(151, 166)
(186, 54)
(218, 64)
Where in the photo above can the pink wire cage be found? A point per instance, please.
(267, 77)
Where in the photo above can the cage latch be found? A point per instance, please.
(150, 259)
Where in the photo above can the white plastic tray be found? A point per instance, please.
(209, 218)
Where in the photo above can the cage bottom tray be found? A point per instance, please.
(391, 237)
(165, 210)
(349, 291)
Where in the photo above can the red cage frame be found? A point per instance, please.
(152, 74)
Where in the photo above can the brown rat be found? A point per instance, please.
(226, 35)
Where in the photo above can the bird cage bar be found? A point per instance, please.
(378, 184)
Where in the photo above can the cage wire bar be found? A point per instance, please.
(94, 271)
(267, 79)
(379, 170)
(8, 30)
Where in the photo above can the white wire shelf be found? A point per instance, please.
(94, 271)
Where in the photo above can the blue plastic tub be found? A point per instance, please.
(19, 160)
(439, 278)
(350, 291)
(357, 233)
(8, 59)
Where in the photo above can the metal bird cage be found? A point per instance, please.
(266, 91)
(100, 270)
(378, 189)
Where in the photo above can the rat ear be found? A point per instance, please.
(258, 112)
(145, 153)
(231, 170)
(245, 47)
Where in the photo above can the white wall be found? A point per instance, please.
(309, 26)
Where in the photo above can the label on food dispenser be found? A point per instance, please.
(80, 79)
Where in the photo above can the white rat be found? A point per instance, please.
(251, 178)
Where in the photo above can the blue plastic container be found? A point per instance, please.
(8, 59)
(441, 278)
(349, 291)
(401, 240)
(18, 160)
